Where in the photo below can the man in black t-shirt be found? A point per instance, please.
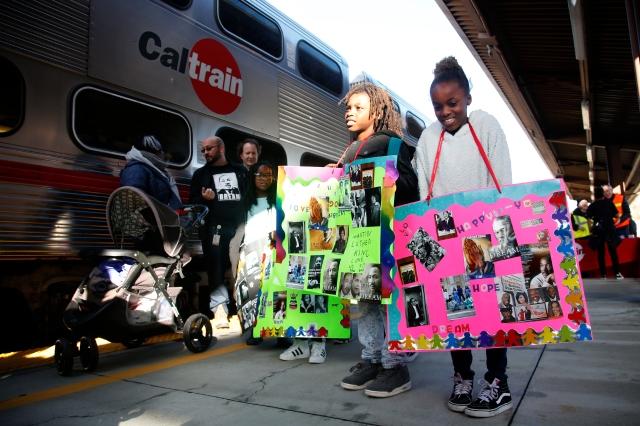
(219, 185)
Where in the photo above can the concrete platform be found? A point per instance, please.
(231, 384)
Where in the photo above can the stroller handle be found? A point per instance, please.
(194, 216)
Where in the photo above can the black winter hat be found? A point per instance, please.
(149, 143)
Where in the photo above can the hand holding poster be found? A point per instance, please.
(484, 269)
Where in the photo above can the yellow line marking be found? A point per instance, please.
(123, 375)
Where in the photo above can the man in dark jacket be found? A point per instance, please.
(220, 186)
(146, 170)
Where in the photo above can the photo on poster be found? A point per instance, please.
(356, 286)
(346, 283)
(248, 314)
(506, 302)
(358, 209)
(457, 296)
(341, 241)
(407, 270)
(415, 306)
(506, 245)
(297, 270)
(536, 295)
(307, 304)
(242, 292)
(368, 170)
(445, 225)
(538, 311)
(320, 240)
(319, 213)
(537, 266)
(321, 304)
(373, 206)
(507, 315)
(263, 305)
(476, 256)
(371, 283)
(344, 194)
(330, 276)
(355, 174)
(513, 283)
(315, 269)
(297, 242)
(426, 249)
(551, 294)
(554, 310)
(279, 305)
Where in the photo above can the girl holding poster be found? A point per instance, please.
(374, 124)
(450, 157)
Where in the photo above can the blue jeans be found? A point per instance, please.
(371, 334)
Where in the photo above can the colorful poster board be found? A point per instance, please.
(334, 229)
(484, 269)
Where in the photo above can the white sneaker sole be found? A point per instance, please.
(350, 386)
(488, 413)
(380, 394)
(458, 408)
(318, 360)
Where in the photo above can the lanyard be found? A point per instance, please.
(483, 154)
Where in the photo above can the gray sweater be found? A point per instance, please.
(461, 167)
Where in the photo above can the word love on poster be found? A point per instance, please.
(485, 269)
(334, 229)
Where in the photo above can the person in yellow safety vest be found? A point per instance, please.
(579, 221)
(623, 219)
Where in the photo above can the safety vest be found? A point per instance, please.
(583, 226)
(617, 201)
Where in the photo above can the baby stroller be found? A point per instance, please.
(129, 296)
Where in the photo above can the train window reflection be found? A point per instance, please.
(109, 123)
(415, 125)
(318, 68)
(11, 97)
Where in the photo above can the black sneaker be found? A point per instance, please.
(461, 395)
(361, 375)
(389, 382)
(494, 398)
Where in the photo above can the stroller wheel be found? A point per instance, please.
(134, 343)
(197, 333)
(88, 353)
(63, 357)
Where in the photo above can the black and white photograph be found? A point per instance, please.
(506, 246)
(445, 225)
(346, 282)
(476, 255)
(426, 249)
(536, 265)
(344, 193)
(307, 304)
(370, 283)
(415, 306)
(297, 270)
(358, 209)
(506, 301)
(322, 303)
(227, 188)
(355, 174)
(407, 270)
(373, 206)
(297, 243)
(457, 295)
(368, 170)
(248, 314)
(341, 240)
(263, 305)
(330, 276)
(279, 305)
(315, 269)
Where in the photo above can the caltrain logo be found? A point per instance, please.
(214, 73)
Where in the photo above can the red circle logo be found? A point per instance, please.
(215, 76)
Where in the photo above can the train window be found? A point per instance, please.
(109, 123)
(12, 99)
(415, 125)
(247, 24)
(272, 152)
(179, 4)
(313, 160)
(318, 68)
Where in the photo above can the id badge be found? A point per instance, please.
(216, 240)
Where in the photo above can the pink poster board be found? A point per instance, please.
(484, 269)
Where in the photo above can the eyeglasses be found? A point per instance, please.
(208, 148)
(262, 175)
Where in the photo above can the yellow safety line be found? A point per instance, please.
(123, 375)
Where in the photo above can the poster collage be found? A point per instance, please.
(481, 267)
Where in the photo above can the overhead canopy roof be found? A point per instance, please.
(527, 47)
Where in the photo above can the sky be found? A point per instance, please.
(398, 43)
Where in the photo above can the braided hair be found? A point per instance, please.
(448, 69)
(382, 107)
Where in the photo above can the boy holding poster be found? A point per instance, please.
(455, 166)
(373, 122)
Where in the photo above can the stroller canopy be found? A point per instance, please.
(131, 214)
